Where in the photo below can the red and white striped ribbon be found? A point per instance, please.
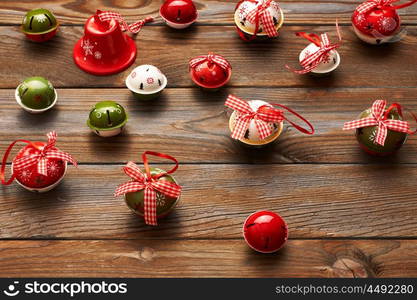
(41, 158)
(261, 15)
(379, 117)
(133, 28)
(371, 4)
(214, 58)
(262, 116)
(150, 184)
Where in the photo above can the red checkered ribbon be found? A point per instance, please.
(133, 28)
(262, 116)
(379, 117)
(312, 60)
(214, 58)
(261, 15)
(49, 151)
(371, 4)
(150, 184)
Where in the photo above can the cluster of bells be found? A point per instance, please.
(105, 49)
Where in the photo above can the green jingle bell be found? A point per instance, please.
(107, 118)
(36, 94)
(366, 136)
(39, 25)
(164, 204)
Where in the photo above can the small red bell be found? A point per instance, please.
(377, 21)
(104, 49)
(265, 231)
(210, 71)
(178, 14)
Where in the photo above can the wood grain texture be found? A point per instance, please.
(317, 201)
(211, 11)
(193, 125)
(255, 64)
(207, 258)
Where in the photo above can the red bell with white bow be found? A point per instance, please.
(377, 21)
(39, 166)
(210, 71)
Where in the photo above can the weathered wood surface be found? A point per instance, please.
(317, 201)
(211, 11)
(207, 258)
(193, 125)
(255, 64)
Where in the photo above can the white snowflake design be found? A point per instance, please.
(41, 18)
(25, 174)
(53, 169)
(387, 24)
(372, 136)
(87, 47)
(360, 19)
(160, 199)
(97, 55)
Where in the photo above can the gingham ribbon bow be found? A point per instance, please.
(41, 158)
(262, 15)
(379, 118)
(370, 4)
(214, 58)
(150, 184)
(262, 117)
(311, 61)
(133, 28)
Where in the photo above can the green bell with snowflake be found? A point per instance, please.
(164, 204)
(107, 118)
(39, 25)
(36, 94)
(366, 136)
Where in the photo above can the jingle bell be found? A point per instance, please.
(265, 231)
(327, 65)
(250, 28)
(39, 25)
(146, 82)
(164, 204)
(104, 49)
(107, 118)
(252, 137)
(36, 95)
(178, 14)
(210, 72)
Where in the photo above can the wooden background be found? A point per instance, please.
(349, 214)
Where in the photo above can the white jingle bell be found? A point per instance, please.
(252, 134)
(248, 27)
(329, 64)
(146, 82)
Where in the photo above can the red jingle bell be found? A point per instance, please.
(178, 14)
(377, 21)
(104, 49)
(210, 71)
(39, 166)
(265, 231)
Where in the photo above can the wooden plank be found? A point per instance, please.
(211, 11)
(317, 201)
(207, 258)
(193, 126)
(362, 65)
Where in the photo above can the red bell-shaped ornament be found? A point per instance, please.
(104, 49)
(210, 71)
(39, 166)
(265, 231)
(178, 14)
(377, 21)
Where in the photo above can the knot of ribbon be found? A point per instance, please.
(262, 116)
(371, 4)
(40, 158)
(312, 60)
(379, 117)
(213, 58)
(150, 184)
(133, 28)
(261, 15)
